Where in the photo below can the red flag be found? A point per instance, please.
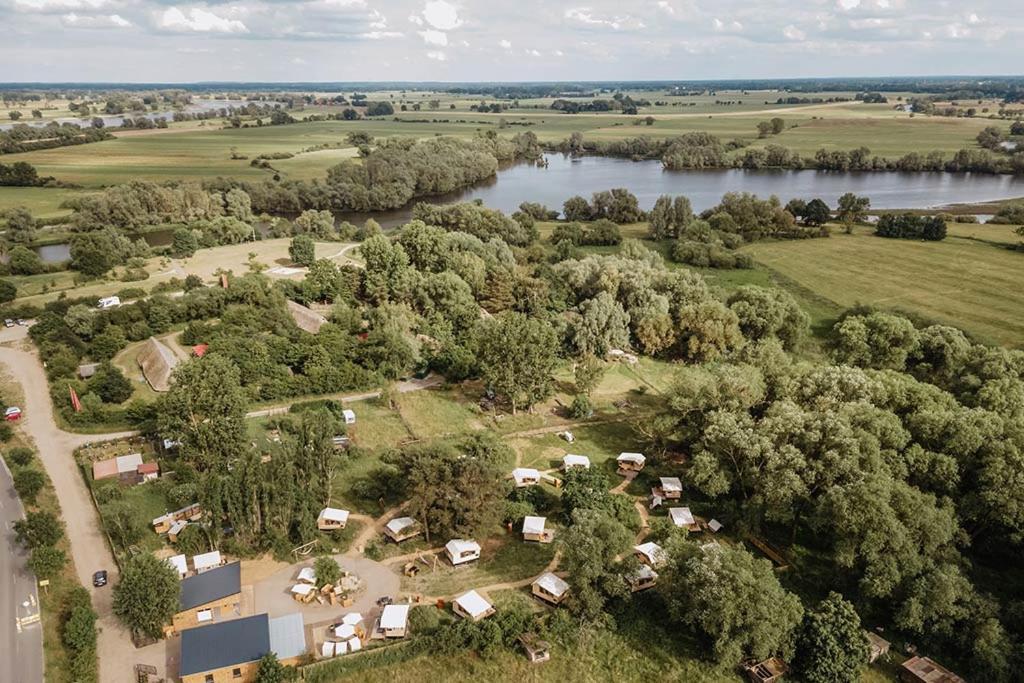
(74, 399)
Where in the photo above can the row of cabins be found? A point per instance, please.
(626, 462)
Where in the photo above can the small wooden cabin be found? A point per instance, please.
(473, 606)
(550, 588)
(534, 530)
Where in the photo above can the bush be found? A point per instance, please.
(20, 456)
(581, 407)
(7, 291)
(28, 483)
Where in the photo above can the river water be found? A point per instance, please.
(564, 177)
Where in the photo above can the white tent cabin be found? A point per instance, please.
(571, 461)
(533, 530)
(462, 550)
(331, 519)
(630, 462)
(402, 529)
(473, 606)
(394, 621)
(525, 476)
(650, 553)
(683, 519)
(550, 588)
(642, 579)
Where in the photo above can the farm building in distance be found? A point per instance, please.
(157, 362)
(230, 651)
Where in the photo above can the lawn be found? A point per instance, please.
(43, 202)
(503, 559)
(436, 413)
(377, 426)
(602, 443)
(960, 282)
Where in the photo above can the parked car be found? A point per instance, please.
(22, 322)
(13, 413)
(8, 323)
(99, 579)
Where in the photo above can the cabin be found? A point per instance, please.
(715, 526)
(157, 362)
(331, 519)
(394, 621)
(462, 550)
(537, 650)
(571, 461)
(123, 467)
(925, 670)
(163, 523)
(878, 646)
(682, 518)
(671, 488)
(525, 476)
(306, 319)
(176, 528)
(642, 579)
(230, 651)
(402, 529)
(147, 471)
(650, 553)
(533, 530)
(630, 462)
(472, 606)
(349, 416)
(767, 671)
(207, 561)
(209, 597)
(550, 588)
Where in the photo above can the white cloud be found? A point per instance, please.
(298, 60)
(441, 15)
(380, 35)
(344, 3)
(533, 53)
(723, 26)
(415, 19)
(586, 16)
(60, 5)
(378, 21)
(847, 5)
(438, 55)
(793, 33)
(559, 53)
(666, 7)
(199, 20)
(432, 37)
(73, 20)
(506, 44)
(973, 19)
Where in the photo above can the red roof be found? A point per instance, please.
(148, 468)
(199, 350)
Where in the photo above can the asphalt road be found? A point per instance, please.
(22, 646)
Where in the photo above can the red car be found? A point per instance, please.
(12, 413)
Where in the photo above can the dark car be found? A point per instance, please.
(99, 579)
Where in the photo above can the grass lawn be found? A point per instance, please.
(43, 202)
(377, 426)
(437, 412)
(503, 559)
(127, 361)
(960, 282)
(602, 443)
(145, 500)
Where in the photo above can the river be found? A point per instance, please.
(565, 177)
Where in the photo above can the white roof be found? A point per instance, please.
(644, 572)
(307, 575)
(348, 414)
(176, 527)
(355, 645)
(473, 604)
(533, 525)
(287, 635)
(521, 474)
(571, 460)
(457, 546)
(302, 589)
(180, 563)
(632, 457)
(341, 648)
(327, 649)
(398, 524)
(715, 525)
(206, 560)
(394, 616)
(652, 551)
(552, 584)
(334, 515)
(344, 630)
(671, 484)
(128, 463)
(352, 618)
(681, 516)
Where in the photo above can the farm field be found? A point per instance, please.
(960, 282)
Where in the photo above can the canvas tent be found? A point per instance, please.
(460, 550)
(550, 588)
(473, 606)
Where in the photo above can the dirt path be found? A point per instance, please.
(405, 387)
(89, 548)
(375, 528)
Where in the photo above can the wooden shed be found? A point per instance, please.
(402, 529)
(766, 671)
(630, 462)
(537, 650)
(879, 646)
(642, 579)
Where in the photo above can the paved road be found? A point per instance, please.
(22, 646)
(89, 548)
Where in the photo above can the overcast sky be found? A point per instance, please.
(465, 40)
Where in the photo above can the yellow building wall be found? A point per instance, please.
(190, 618)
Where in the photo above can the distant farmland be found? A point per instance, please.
(962, 282)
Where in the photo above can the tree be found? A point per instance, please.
(875, 340)
(319, 224)
(587, 373)
(576, 209)
(270, 670)
(148, 594)
(602, 325)
(517, 358)
(21, 227)
(14, 115)
(24, 261)
(590, 548)
(816, 213)
(39, 528)
(302, 250)
(46, 561)
(8, 291)
(852, 209)
(28, 482)
(733, 599)
(764, 129)
(110, 384)
(184, 243)
(205, 411)
(778, 125)
(831, 645)
(327, 570)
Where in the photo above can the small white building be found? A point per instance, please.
(570, 461)
(525, 476)
(630, 462)
(642, 579)
(462, 550)
(550, 588)
(180, 564)
(533, 530)
(109, 302)
(472, 606)
(671, 488)
(207, 561)
(402, 528)
(331, 519)
(394, 621)
(683, 519)
(349, 415)
(715, 526)
(650, 553)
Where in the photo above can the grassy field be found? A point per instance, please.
(502, 559)
(962, 282)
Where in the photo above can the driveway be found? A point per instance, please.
(117, 656)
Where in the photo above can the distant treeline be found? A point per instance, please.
(911, 226)
(24, 138)
(21, 174)
(703, 150)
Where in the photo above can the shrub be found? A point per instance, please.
(47, 561)
(20, 456)
(28, 483)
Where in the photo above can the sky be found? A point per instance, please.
(171, 41)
